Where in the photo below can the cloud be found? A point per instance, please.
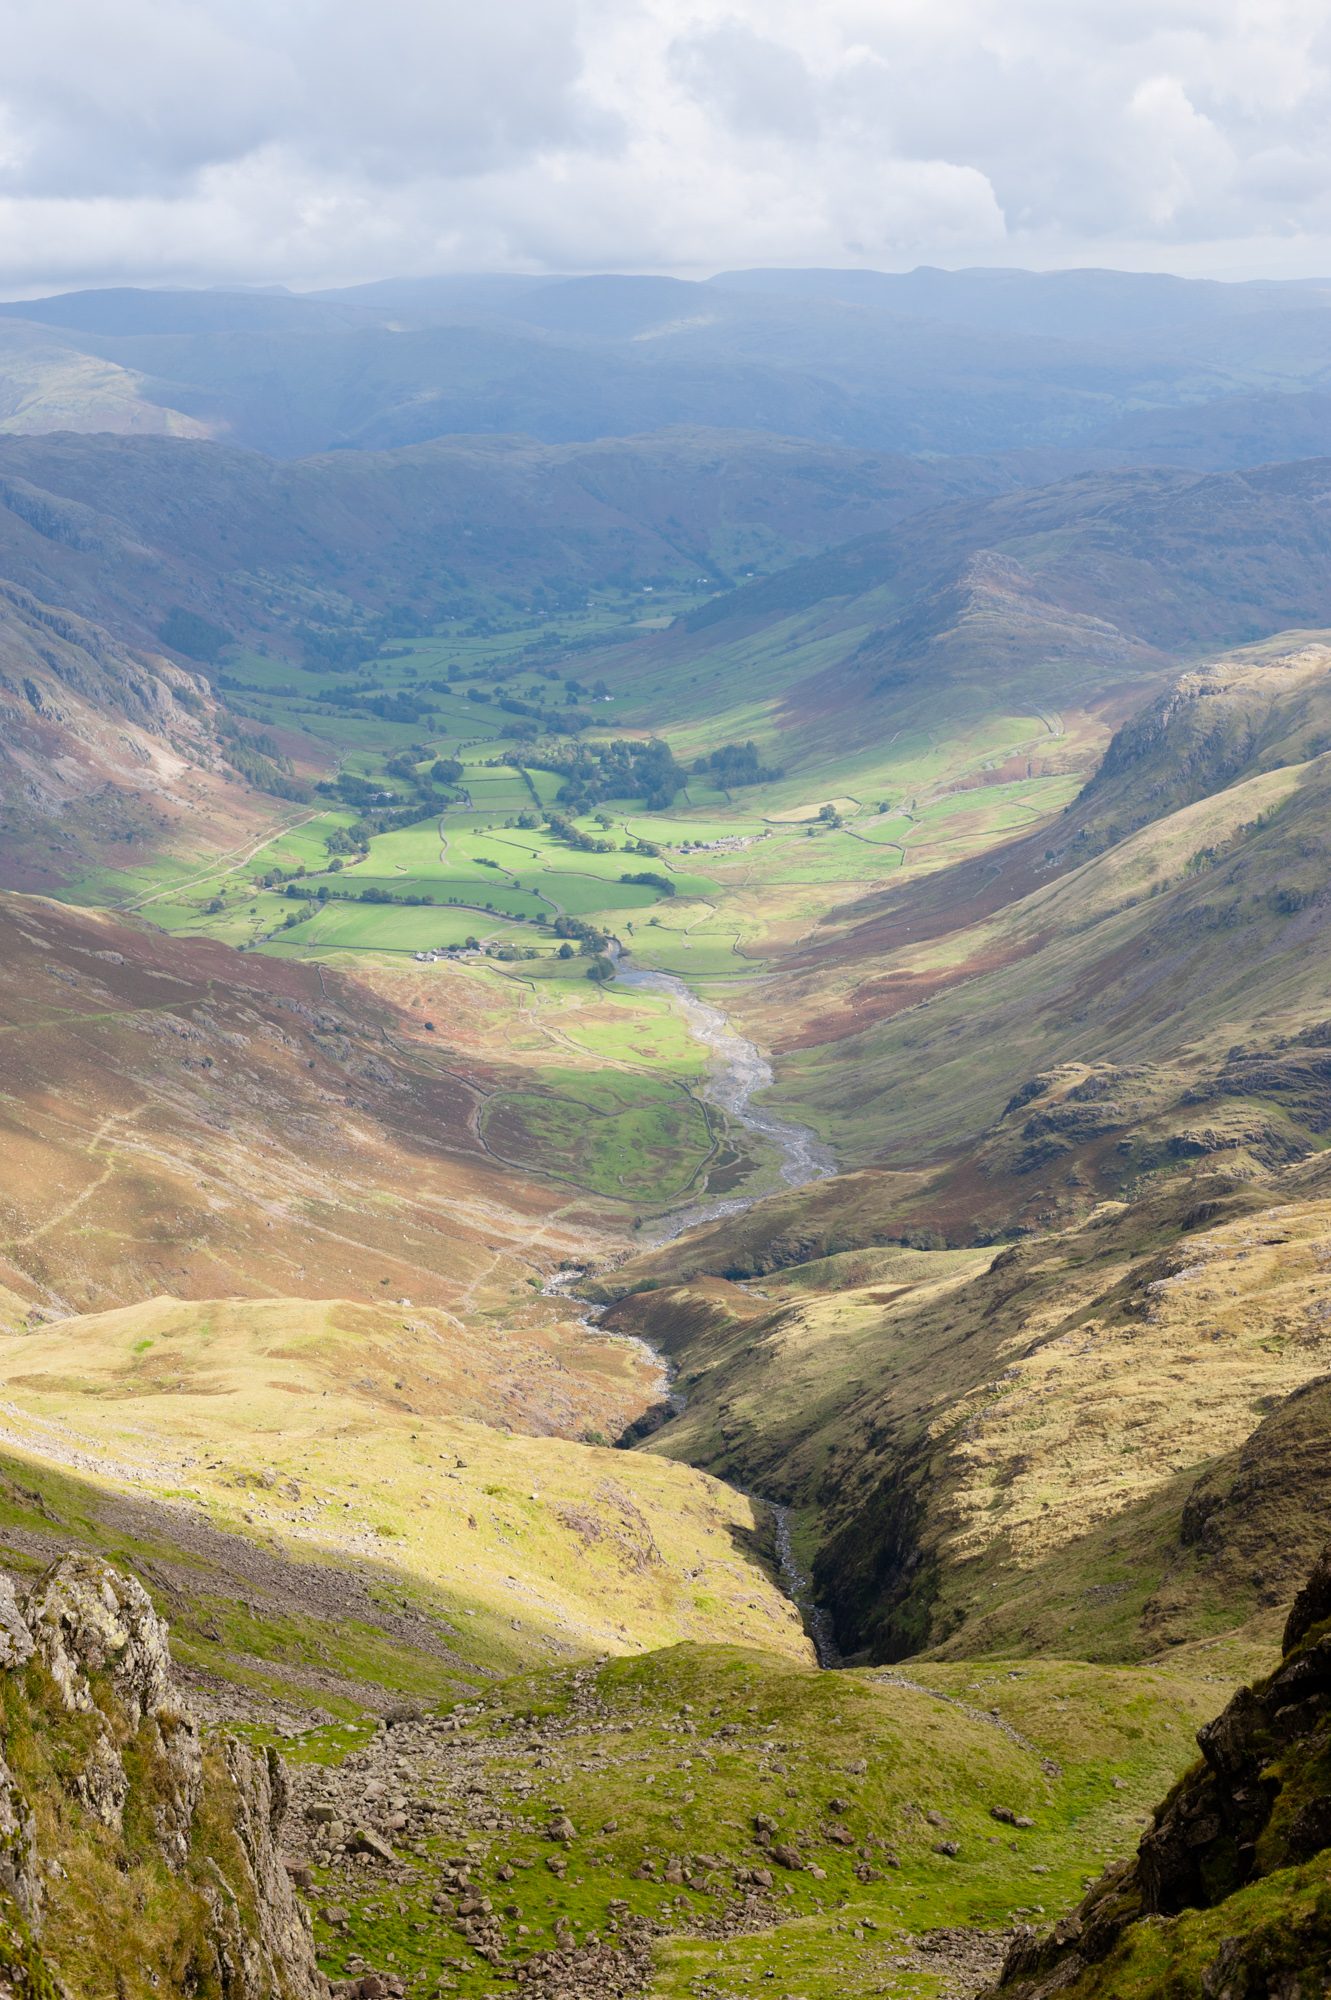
(323, 141)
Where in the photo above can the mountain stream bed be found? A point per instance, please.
(737, 1071)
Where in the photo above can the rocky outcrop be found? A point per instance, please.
(106, 1780)
(1235, 1835)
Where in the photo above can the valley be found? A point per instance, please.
(628, 1065)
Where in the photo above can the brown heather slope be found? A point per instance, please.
(178, 1118)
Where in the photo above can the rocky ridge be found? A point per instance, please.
(1237, 1833)
(113, 1803)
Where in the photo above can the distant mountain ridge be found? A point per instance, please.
(925, 361)
(124, 529)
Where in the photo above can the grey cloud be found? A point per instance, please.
(327, 140)
(751, 82)
(142, 97)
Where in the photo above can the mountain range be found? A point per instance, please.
(926, 362)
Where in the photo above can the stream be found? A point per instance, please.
(737, 1070)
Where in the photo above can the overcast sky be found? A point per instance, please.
(329, 141)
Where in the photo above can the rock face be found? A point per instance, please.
(1248, 1818)
(102, 1756)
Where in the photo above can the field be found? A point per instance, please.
(429, 841)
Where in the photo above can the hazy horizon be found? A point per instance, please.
(276, 287)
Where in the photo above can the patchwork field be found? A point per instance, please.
(431, 838)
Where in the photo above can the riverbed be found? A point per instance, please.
(736, 1071)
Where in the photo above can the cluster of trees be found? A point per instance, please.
(341, 648)
(325, 892)
(198, 638)
(254, 756)
(353, 839)
(586, 843)
(406, 766)
(402, 705)
(622, 769)
(353, 790)
(649, 879)
(735, 764)
(590, 941)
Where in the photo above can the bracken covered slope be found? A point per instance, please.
(181, 1118)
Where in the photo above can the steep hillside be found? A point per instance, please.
(1233, 719)
(1097, 1443)
(141, 1855)
(1134, 974)
(1071, 1444)
(127, 530)
(49, 383)
(1072, 604)
(1227, 1891)
(103, 749)
(1180, 560)
(182, 1119)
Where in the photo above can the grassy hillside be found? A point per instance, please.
(394, 1446)
(1051, 1449)
(1229, 1882)
(724, 1817)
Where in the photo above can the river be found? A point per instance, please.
(736, 1071)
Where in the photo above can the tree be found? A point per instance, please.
(601, 970)
(197, 637)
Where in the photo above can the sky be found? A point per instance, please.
(322, 142)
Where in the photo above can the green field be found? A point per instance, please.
(398, 855)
